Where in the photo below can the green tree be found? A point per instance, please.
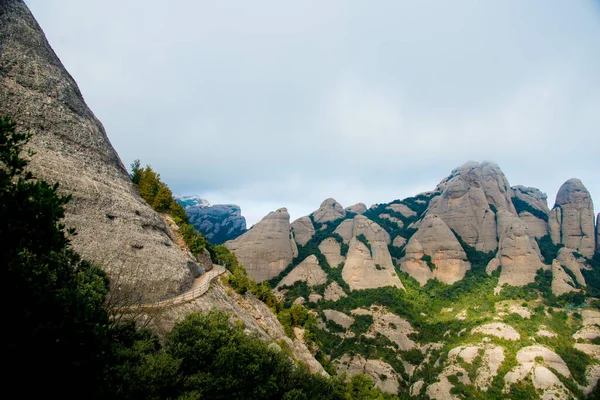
(54, 300)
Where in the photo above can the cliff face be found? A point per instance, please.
(116, 229)
(219, 222)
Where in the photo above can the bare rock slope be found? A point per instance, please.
(267, 248)
(116, 229)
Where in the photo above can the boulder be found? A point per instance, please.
(572, 218)
(358, 208)
(330, 210)
(266, 248)
(362, 272)
(466, 199)
(303, 230)
(334, 292)
(434, 239)
(307, 271)
(116, 229)
(332, 249)
(518, 253)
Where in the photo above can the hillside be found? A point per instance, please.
(475, 289)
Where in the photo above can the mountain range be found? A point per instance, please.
(475, 289)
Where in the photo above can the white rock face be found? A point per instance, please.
(441, 390)
(587, 332)
(266, 248)
(331, 249)
(498, 329)
(361, 271)
(591, 317)
(330, 210)
(572, 219)
(376, 369)
(433, 238)
(491, 359)
(361, 225)
(334, 292)
(464, 203)
(518, 254)
(561, 282)
(359, 208)
(308, 271)
(537, 227)
(303, 230)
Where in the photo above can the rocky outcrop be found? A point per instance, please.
(518, 253)
(343, 320)
(434, 239)
(399, 241)
(384, 376)
(466, 201)
(116, 228)
(266, 248)
(362, 272)
(334, 292)
(532, 207)
(303, 230)
(572, 218)
(358, 208)
(491, 358)
(330, 210)
(388, 324)
(361, 225)
(561, 282)
(499, 330)
(219, 222)
(402, 209)
(192, 201)
(598, 233)
(331, 249)
(307, 271)
(567, 259)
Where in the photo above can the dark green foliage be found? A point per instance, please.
(361, 324)
(592, 277)
(396, 252)
(414, 356)
(548, 249)
(362, 238)
(522, 206)
(493, 208)
(54, 300)
(427, 259)
(478, 259)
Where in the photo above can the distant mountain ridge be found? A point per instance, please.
(218, 222)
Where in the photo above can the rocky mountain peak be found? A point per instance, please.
(330, 210)
(470, 197)
(572, 218)
(266, 248)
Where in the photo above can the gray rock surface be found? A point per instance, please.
(518, 253)
(219, 222)
(434, 239)
(303, 230)
(465, 202)
(572, 218)
(561, 282)
(567, 259)
(362, 272)
(330, 210)
(331, 249)
(334, 292)
(539, 201)
(116, 228)
(598, 232)
(308, 271)
(358, 208)
(266, 248)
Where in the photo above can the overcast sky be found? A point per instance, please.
(271, 104)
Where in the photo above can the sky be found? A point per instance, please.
(270, 104)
